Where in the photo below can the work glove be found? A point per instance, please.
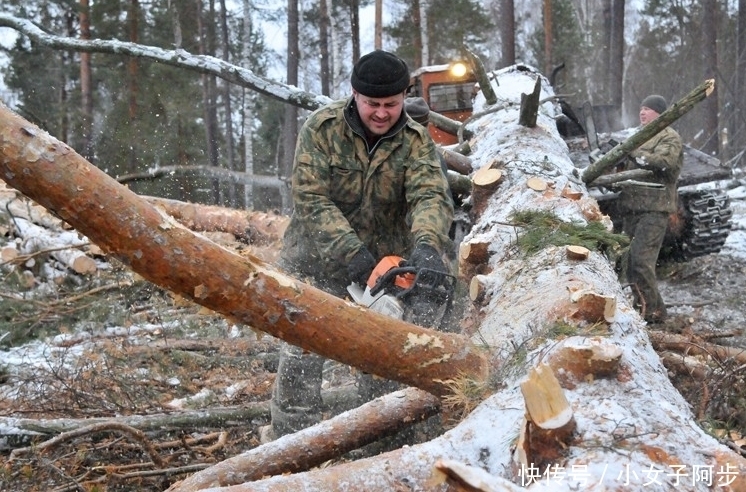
(361, 266)
(425, 256)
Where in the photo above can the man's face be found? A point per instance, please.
(647, 115)
(379, 114)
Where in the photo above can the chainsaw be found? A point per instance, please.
(421, 296)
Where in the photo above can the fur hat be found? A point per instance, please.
(380, 74)
(655, 102)
(417, 109)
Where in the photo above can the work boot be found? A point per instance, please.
(296, 396)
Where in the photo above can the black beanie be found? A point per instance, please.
(380, 74)
(655, 102)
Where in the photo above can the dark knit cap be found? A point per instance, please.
(655, 102)
(417, 109)
(380, 74)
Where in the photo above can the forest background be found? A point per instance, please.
(131, 116)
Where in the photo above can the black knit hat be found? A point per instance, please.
(380, 74)
(655, 102)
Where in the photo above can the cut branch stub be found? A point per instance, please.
(473, 257)
(537, 184)
(478, 289)
(549, 419)
(584, 359)
(593, 307)
(484, 183)
(575, 252)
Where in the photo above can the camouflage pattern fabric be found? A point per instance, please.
(647, 231)
(664, 155)
(346, 195)
(646, 218)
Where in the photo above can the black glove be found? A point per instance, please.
(361, 266)
(425, 256)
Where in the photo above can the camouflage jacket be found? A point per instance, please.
(346, 195)
(664, 156)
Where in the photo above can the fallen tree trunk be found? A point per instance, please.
(249, 226)
(676, 111)
(243, 288)
(628, 418)
(312, 447)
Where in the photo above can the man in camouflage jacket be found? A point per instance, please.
(367, 183)
(647, 209)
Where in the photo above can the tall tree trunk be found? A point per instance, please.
(133, 14)
(378, 37)
(425, 31)
(548, 36)
(355, 28)
(290, 125)
(206, 43)
(249, 99)
(738, 139)
(229, 144)
(506, 19)
(86, 98)
(603, 92)
(417, 33)
(709, 54)
(324, 47)
(616, 58)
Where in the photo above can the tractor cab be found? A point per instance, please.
(449, 90)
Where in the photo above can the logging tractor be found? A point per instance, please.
(703, 221)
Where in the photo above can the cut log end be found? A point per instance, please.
(575, 252)
(537, 184)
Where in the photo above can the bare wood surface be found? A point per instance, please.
(673, 113)
(244, 288)
(315, 445)
(249, 226)
(575, 252)
(448, 125)
(549, 420)
(455, 161)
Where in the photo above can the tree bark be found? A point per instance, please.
(630, 420)
(628, 416)
(314, 446)
(251, 227)
(243, 288)
(673, 113)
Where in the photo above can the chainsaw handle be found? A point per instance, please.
(388, 278)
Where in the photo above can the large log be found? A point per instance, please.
(633, 430)
(673, 113)
(244, 288)
(631, 423)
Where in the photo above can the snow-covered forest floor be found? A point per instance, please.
(110, 345)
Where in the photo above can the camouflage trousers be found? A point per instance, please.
(647, 231)
(296, 395)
